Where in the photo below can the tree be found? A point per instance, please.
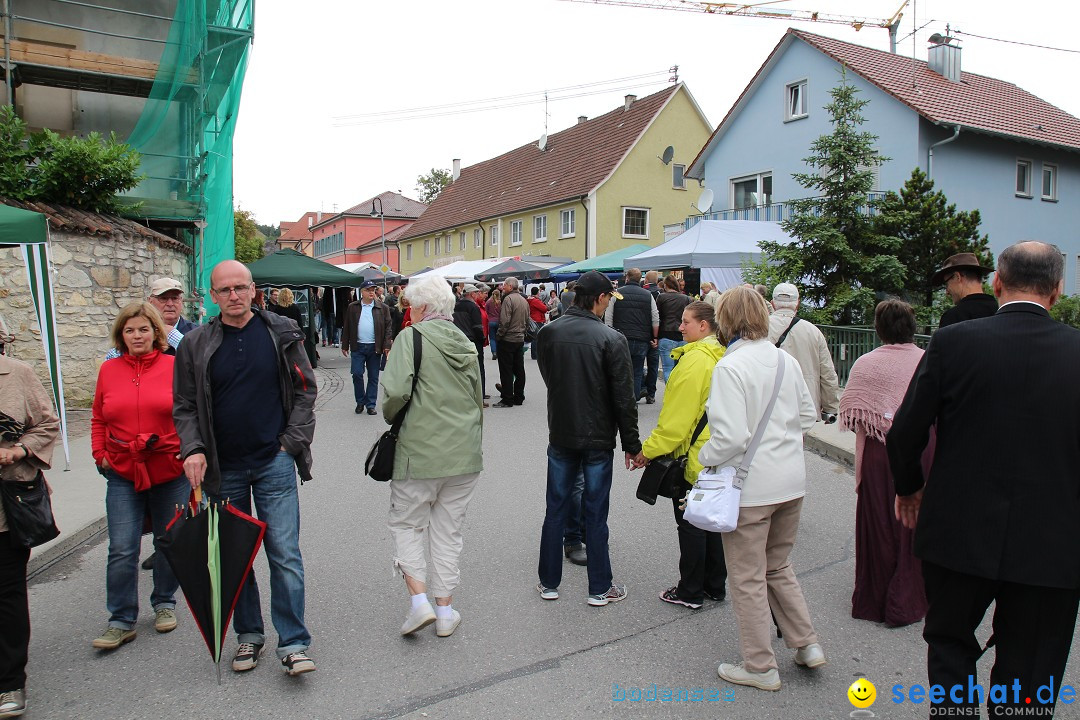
(429, 186)
(930, 230)
(248, 240)
(837, 258)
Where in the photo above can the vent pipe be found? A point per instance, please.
(457, 168)
(628, 101)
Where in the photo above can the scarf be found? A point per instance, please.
(876, 387)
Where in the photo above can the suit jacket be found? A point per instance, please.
(976, 305)
(1003, 497)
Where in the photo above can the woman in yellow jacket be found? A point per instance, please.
(702, 571)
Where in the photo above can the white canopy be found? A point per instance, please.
(710, 244)
(356, 267)
(462, 270)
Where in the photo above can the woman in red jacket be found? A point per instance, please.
(136, 448)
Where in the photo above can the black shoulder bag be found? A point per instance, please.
(780, 340)
(667, 475)
(380, 459)
(29, 511)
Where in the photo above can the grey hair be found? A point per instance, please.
(431, 294)
(512, 282)
(785, 304)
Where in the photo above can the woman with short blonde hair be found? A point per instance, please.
(139, 309)
(741, 314)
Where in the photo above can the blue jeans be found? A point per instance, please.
(564, 465)
(638, 350)
(328, 331)
(493, 330)
(574, 534)
(666, 361)
(273, 486)
(124, 512)
(652, 360)
(365, 358)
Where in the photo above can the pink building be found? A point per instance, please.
(356, 235)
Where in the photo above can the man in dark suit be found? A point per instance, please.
(997, 518)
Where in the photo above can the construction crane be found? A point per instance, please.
(760, 10)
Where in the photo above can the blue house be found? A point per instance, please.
(987, 144)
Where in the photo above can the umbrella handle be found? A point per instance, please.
(197, 492)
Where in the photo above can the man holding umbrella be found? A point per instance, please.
(251, 363)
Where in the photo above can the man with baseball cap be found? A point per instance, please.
(804, 342)
(367, 334)
(167, 296)
(963, 276)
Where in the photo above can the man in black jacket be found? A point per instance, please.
(586, 367)
(962, 277)
(467, 318)
(368, 336)
(998, 521)
(637, 318)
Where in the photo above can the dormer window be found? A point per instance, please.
(795, 101)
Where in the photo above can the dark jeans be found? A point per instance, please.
(564, 465)
(483, 372)
(575, 516)
(532, 345)
(14, 615)
(364, 357)
(652, 360)
(493, 330)
(639, 349)
(512, 372)
(701, 560)
(1032, 634)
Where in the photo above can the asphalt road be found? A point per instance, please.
(514, 654)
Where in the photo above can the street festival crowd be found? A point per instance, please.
(949, 518)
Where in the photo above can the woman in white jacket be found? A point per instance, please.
(758, 550)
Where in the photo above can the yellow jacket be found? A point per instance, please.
(684, 402)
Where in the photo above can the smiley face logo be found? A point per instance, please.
(862, 693)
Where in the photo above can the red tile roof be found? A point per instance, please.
(394, 206)
(977, 102)
(298, 230)
(574, 162)
(63, 218)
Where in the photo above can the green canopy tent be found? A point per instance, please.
(608, 262)
(29, 231)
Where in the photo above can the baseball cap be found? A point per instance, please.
(596, 283)
(367, 284)
(470, 289)
(786, 292)
(164, 285)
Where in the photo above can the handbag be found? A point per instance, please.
(713, 503)
(29, 511)
(531, 329)
(379, 464)
(666, 475)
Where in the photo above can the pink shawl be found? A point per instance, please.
(876, 387)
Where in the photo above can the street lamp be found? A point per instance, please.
(382, 229)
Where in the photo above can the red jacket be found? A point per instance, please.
(537, 309)
(484, 317)
(132, 403)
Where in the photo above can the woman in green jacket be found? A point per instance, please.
(702, 571)
(438, 458)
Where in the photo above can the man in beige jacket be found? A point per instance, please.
(804, 342)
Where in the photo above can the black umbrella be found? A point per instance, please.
(377, 275)
(514, 268)
(211, 553)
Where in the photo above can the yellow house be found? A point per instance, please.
(600, 185)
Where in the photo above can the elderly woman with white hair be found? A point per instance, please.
(438, 459)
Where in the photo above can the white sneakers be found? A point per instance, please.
(446, 628)
(810, 656)
(420, 617)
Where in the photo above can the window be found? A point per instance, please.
(408, 251)
(540, 228)
(566, 223)
(438, 245)
(494, 236)
(635, 222)
(1049, 182)
(427, 247)
(1023, 178)
(461, 238)
(515, 232)
(449, 245)
(751, 191)
(795, 101)
(678, 180)
(478, 237)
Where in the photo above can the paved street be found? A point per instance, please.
(514, 654)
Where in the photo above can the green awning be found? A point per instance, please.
(608, 262)
(288, 267)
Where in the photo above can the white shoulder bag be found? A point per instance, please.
(713, 503)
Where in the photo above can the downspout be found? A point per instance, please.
(483, 239)
(930, 152)
(8, 82)
(582, 201)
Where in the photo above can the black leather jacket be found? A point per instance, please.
(586, 367)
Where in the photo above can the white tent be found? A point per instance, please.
(717, 247)
(462, 270)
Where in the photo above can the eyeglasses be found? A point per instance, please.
(169, 299)
(240, 290)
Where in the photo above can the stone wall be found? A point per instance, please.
(93, 277)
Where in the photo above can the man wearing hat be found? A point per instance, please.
(167, 296)
(469, 319)
(963, 276)
(804, 342)
(368, 335)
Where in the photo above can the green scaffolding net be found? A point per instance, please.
(185, 131)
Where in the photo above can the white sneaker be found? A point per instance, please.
(418, 619)
(446, 628)
(737, 674)
(811, 656)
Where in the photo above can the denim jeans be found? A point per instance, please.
(652, 361)
(638, 350)
(273, 486)
(493, 330)
(328, 331)
(124, 512)
(564, 465)
(574, 534)
(667, 363)
(365, 358)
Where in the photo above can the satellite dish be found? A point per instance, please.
(543, 142)
(669, 152)
(705, 200)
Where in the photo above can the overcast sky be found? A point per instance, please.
(317, 65)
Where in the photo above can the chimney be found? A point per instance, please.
(628, 101)
(457, 168)
(582, 118)
(944, 57)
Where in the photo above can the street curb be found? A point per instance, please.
(828, 450)
(44, 559)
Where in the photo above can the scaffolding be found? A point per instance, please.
(184, 60)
